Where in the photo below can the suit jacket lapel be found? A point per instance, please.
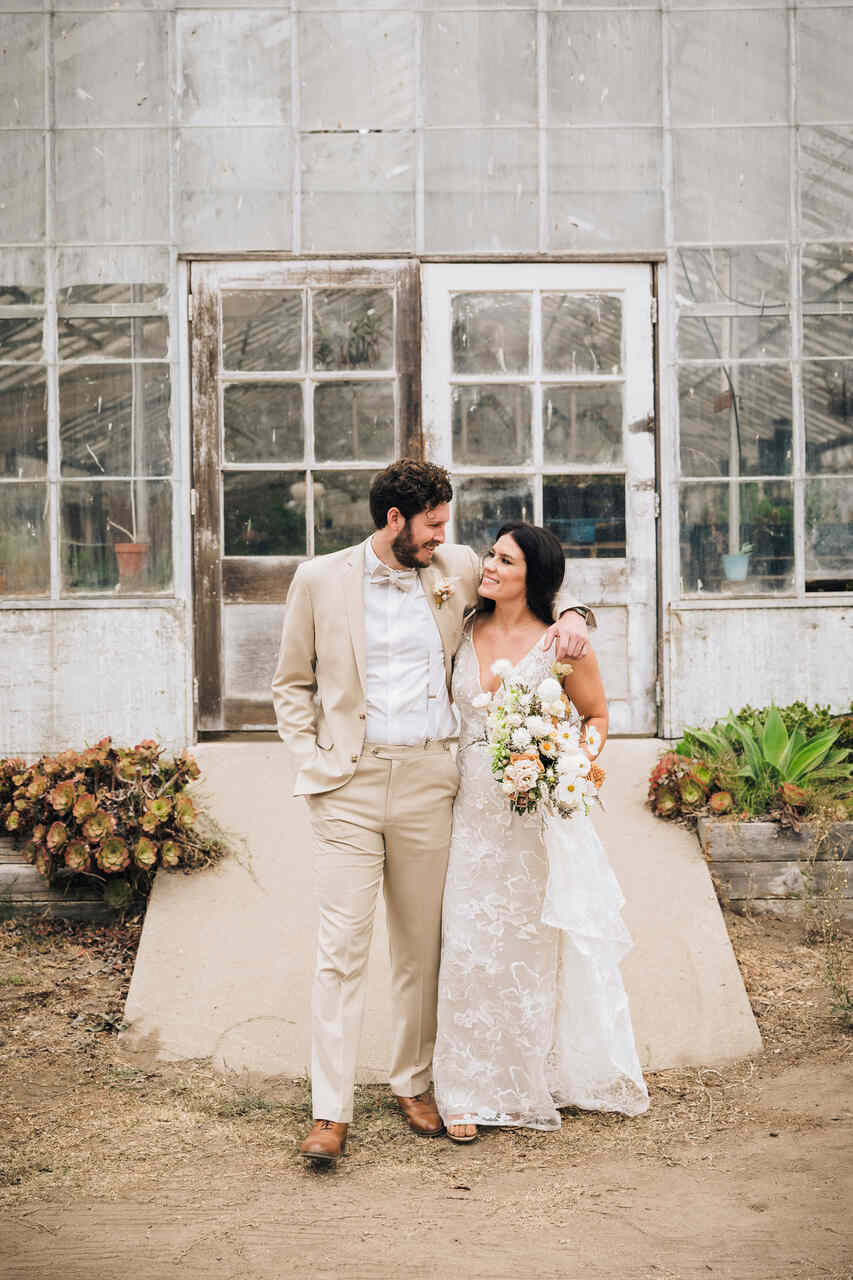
(430, 577)
(354, 594)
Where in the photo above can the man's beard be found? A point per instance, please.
(406, 549)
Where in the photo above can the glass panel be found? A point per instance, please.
(353, 329)
(365, 181)
(587, 513)
(354, 420)
(24, 545)
(114, 419)
(581, 333)
(234, 188)
(828, 400)
(491, 332)
(828, 273)
(114, 294)
(605, 189)
(262, 329)
(250, 51)
(826, 180)
(604, 68)
(113, 69)
(263, 423)
(492, 423)
(143, 337)
(829, 535)
(376, 71)
(498, 85)
(484, 503)
(828, 335)
(264, 513)
(733, 337)
(582, 423)
(124, 195)
(481, 190)
(749, 54)
(341, 509)
(755, 276)
(749, 549)
(23, 421)
(98, 550)
(21, 338)
(736, 421)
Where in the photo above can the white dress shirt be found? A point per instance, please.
(407, 699)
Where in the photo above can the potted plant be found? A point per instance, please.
(736, 563)
(132, 556)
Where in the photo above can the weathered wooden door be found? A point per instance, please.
(304, 381)
(538, 387)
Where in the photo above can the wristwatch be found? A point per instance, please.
(584, 612)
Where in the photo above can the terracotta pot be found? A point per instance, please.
(132, 559)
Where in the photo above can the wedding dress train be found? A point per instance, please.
(531, 1017)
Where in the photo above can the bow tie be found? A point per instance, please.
(402, 579)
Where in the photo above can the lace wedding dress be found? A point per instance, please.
(530, 1017)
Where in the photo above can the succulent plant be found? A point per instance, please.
(62, 797)
(721, 802)
(666, 800)
(38, 833)
(187, 764)
(84, 806)
(99, 825)
(185, 810)
(170, 853)
(691, 791)
(112, 855)
(162, 807)
(145, 854)
(44, 863)
(793, 795)
(149, 822)
(57, 836)
(127, 769)
(13, 820)
(38, 785)
(118, 894)
(78, 856)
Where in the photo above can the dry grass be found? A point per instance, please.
(80, 1120)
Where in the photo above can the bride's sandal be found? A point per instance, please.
(460, 1135)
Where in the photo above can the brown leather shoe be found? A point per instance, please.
(422, 1115)
(327, 1141)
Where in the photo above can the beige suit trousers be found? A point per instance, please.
(388, 825)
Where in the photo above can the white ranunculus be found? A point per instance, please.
(521, 738)
(549, 690)
(501, 668)
(556, 708)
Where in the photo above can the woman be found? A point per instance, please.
(530, 1017)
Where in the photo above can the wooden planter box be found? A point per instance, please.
(761, 864)
(26, 895)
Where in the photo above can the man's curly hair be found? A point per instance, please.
(410, 486)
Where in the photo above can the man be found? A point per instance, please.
(362, 699)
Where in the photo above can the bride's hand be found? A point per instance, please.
(570, 634)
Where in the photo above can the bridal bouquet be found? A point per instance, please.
(536, 752)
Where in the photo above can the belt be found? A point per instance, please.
(398, 751)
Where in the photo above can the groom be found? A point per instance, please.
(361, 694)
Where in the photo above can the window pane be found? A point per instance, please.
(736, 420)
(341, 509)
(99, 519)
(581, 333)
(829, 535)
(354, 420)
(263, 423)
(114, 419)
(264, 513)
(828, 335)
(124, 337)
(491, 333)
(828, 399)
(737, 537)
(24, 545)
(587, 513)
(21, 338)
(115, 294)
(353, 329)
(484, 503)
(582, 423)
(751, 277)
(262, 329)
(828, 273)
(733, 337)
(492, 424)
(23, 421)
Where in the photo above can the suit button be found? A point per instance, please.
(362, 716)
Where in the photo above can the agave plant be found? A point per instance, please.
(784, 759)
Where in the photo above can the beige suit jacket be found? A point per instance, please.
(321, 677)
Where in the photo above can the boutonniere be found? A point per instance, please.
(443, 590)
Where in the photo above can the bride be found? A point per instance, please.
(531, 1017)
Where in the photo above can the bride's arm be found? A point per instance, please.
(586, 690)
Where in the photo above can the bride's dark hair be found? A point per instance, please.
(546, 565)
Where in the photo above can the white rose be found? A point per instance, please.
(501, 668)
(521, 738)
(549, 690)
(538, 726)
(556, 708)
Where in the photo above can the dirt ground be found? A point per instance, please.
(110, 1172)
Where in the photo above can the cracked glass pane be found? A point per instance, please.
(24, 540)
(735, 420)
(582, 423)
(23, 421)
(587, 513)
(491, 332)
(492, 423)
(263, 423)
(484, 503)
(114, 419)
(262, 329)
(581, 333)
(116, 536)
(354, 420)
(264, 513)
(353, 329)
